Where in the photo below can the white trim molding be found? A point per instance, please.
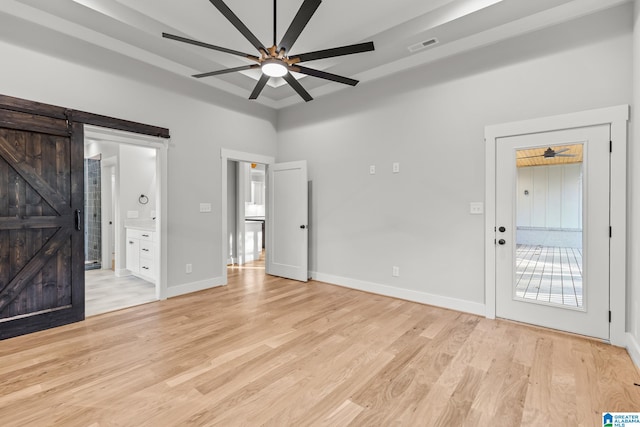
(633, 348)
(187, 288)
(240, 156)
(617, 118)
(161, 145)
(404, 294)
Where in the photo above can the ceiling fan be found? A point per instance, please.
(550, 153)
(276, 61)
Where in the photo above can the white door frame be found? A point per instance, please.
(238, 156)
(107, 204)
(617, 118)
(161, 146)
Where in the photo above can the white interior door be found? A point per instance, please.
(552, 229)
(287, 220)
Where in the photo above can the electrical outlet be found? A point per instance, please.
(205, 207)
(189, 268)
(396, 167)
(395, 271)
(476, 208)
(372, 169)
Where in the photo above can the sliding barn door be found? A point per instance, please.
(41, 234)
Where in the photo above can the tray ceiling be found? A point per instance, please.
(133, 28)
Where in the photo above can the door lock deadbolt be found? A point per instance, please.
(502, 229)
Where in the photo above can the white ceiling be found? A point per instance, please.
(133, 28)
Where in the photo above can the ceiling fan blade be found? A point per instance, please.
(565, 155)
(300, 21)
(297, 87)
(562, 151)
(236, 22)
(333, 52)
(324, 75)
(208, 46)
(258, 89)
(530, 157)
(225, 71)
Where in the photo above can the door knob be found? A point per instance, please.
(502, 242)
(502, 229)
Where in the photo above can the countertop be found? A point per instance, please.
(141, 224)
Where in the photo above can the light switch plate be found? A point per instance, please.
(372, 169)
(396, 167)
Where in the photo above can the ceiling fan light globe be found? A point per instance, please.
(274, 68)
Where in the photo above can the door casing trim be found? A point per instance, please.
(617, 117)
(239, 156)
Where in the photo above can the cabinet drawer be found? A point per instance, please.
(133, 233)
(147, 235)
(146, 268)
(146, 249)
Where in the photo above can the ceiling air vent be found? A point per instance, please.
(422, 45)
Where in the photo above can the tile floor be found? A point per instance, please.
(105, 292)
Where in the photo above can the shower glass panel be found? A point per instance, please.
(92, 215)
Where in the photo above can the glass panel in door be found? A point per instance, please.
(549, 235)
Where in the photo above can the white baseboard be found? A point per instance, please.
(633, 348)
(405, 294)
(122, 272)
(186, 288)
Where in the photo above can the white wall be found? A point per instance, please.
(431, 120)
(200, 125)
(105, 149)
(633, 256)
(553, 197)
(137, 177)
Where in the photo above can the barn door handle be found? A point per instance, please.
(78, 219)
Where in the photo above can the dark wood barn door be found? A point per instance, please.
(41, 234)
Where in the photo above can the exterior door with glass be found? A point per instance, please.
(553, 229)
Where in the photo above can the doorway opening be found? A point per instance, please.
(237, 200)
(122, 220)
(286, 215)
(246, 214)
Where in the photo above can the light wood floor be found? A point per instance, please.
(269, 351)
(105, 292)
